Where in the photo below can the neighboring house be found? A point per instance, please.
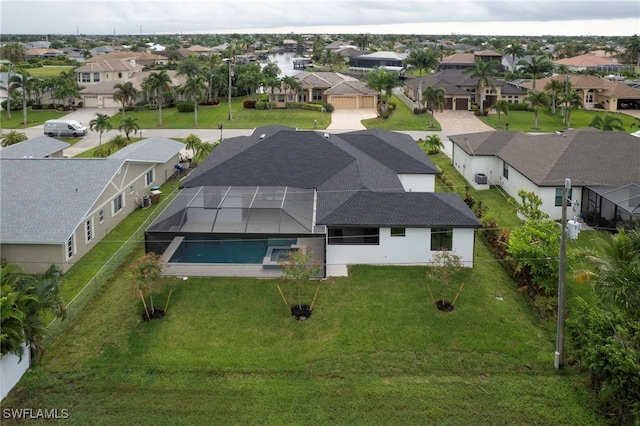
(603, 168)
(42, 53)
(40, 147)
(340, 90)
(289, 45)
(388, 60)
(98, 79)
(460, 89)
(609, 95)
(146, 59)
(54, 210)
(594, 63)
(468, 60)
(362, 197)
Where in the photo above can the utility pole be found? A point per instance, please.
(230, 75)
(559, 355)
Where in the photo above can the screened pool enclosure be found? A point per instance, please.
(227, 225)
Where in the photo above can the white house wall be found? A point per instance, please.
(412, 249)
(418, 182)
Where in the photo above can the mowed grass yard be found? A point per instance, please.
(375, 351)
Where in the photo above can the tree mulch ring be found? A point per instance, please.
(444, 306)
(300, 312)
(156, 313)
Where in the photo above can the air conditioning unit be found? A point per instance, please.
(481, 179)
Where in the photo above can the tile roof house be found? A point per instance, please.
(54, 210)
(603, 168)
(340, 90)
(356, 197)
(460, 89)
(609, 95)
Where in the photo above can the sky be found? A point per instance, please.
(476, 17)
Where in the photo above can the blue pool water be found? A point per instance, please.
(222, 251)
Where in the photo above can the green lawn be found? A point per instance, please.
(34, 118)
(548, 122)
(375, 351)
(48, 71)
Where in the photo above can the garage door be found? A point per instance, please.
(108, 102)
(368, 102)
(448, 102)
(90, 101)
(343, 102)
(462, 104)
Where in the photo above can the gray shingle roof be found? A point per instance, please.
(341, 168)
(586, 156)
(410, 209)
(156, 149)
(39, 147)
(44, 200)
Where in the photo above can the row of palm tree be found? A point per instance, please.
(102, 123)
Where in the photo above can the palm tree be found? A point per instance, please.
(11, 138)
(214, 65)
(192, 143)
(129, 125)
(422, 59)
(433, 98)
(383, 81)
(203, 151)
(118, 142)
(14, 54)
(483, 71)
(362, 41)
(538, 67)
(101, 123)
(515, 50)
(571, 99)
(126, 93)
(249, 78)
(537, 99)
(501, 106)
(271, 69)
(554, 87)
(633, 51)
(26, 85)
(189, 67)
(615, 269)
(607, 122)
(434, 144)
(194, 88)
(159, 84)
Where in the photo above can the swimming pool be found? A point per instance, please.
(197, 250)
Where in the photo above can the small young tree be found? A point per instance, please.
(145, 271)
(299, 266)
(445, 264)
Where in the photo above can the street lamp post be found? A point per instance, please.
(559, 355)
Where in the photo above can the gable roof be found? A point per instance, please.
(29, 199)
(40, 147)
(588, 157)
(457, 82)
(322, 79)
(109, 65)
(350, 88)
(587, 60)
(156, 149)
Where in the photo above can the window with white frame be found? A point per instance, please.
(89, 230)
(101, 215)
(70, 248)
(117, 204)
(96, 77)
(505, 170)
(559, 197)
(149, 178)
(85, 77)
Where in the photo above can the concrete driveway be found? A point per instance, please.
(350, 119)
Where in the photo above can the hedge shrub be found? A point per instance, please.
(187, 106)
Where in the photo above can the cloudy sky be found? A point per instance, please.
(479, 17)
